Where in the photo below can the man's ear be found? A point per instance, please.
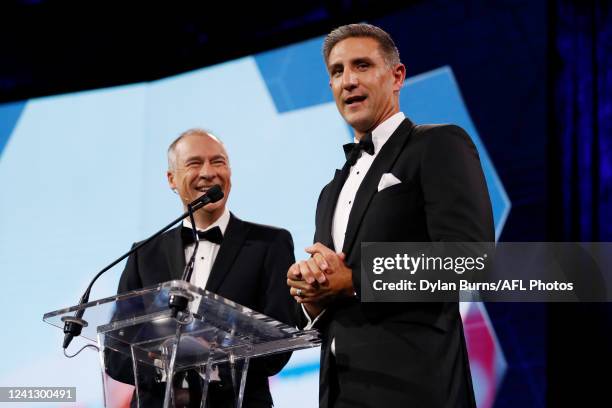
(171, 183)
(399, 74)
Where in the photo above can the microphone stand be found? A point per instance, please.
(191, 264)
(74, 325)
(178, 301)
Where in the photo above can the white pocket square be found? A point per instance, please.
(387, 180)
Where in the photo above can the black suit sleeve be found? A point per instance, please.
(299, 315)
(278, 260)
(277, 302)
(130, 278)
(119, 366)
(457, 204)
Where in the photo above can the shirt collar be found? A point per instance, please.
(221, 222)
(383, 132)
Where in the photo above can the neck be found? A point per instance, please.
(359, 134)
(390, 112)
(204, 219)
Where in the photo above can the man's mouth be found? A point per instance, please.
(203, 189)
(354, 99)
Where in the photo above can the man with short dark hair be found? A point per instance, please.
(239, 260)
(401, 182)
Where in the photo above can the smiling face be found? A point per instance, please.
(365, 88)
(198, 162)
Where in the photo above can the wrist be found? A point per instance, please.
(349, 289)
(312, 309)
(350, 292)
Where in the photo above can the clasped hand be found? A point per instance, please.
(321, 278)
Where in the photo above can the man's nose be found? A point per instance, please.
(207, 171)
(349, 79)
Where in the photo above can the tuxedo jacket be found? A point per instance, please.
(250, 269)
(403, 354)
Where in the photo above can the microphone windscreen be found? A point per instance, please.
(215, 193)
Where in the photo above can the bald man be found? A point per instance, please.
(241, 261)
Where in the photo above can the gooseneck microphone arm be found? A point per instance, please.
(191, 264)
(74, 325)
(178, 301)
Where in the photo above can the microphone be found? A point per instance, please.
(213, 195)
(74, 325)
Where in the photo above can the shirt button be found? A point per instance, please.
(350, 202)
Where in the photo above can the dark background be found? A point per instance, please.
(536, 77)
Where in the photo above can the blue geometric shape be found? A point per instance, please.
(296, 76)
(434, 97)
(300, 370)
(9, 115)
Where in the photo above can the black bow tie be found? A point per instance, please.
(352, 151)
(213, 235)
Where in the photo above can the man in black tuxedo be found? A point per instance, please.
(401, 183)
(239, 260)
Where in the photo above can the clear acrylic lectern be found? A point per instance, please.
(212, 332)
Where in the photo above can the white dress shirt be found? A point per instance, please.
(346, 199)
(380, 135)
(207, 251)
(204, 261)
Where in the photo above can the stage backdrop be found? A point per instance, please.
(83, 177)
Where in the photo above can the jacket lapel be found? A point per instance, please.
(234, 237)
(176, 253)
(369, 186)
(329, 206)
